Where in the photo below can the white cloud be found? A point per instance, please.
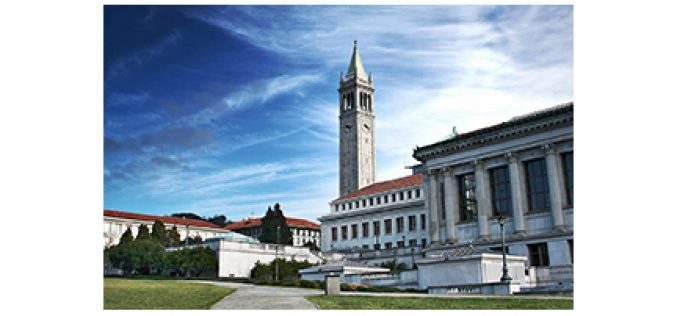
(253, 94)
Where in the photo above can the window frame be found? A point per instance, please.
(532, 183)
(496, 186)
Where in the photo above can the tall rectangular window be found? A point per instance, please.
(467, 205)
(537, 185)
(344, 232)
(353, 229)
(377, 246)
(385, 199)
(371, 201)
(400, 224)
(418, 193)
(500, 191)
(412, 242)
(334, 234)
(409, 194)
(365, 229)
(389, 245)
(538, 255)
(571, 249)
(377, 228)
(568, 163)
(423, 222)
(400, 244)
(423, 242)
(389, 226)
(412, 223)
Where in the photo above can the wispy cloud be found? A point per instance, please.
(253, 94)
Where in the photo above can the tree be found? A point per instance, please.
(144, 233)
(219, 220)
(173, 237)
(143, 256)
(270, 222)
(159, 233)
(187, 216)
(191, 261)
(126, 237)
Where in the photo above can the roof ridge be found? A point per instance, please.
(383, 186)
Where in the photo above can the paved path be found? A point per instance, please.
(249, 296)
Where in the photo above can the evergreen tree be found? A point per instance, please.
(275, 218)
(126, 237)
(173, 237)
(144, 233)
(159, 233)
(268, 227)
(281, 221)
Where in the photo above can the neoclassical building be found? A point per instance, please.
(521, 169)
(302, 230)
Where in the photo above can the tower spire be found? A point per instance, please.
(356, 69)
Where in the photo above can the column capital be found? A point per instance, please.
(448, 170)
(479, 164)
(550, 149)
(512, 157)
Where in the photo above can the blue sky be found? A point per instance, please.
(229, 109)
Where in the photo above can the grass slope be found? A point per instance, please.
(157, 294)
(371, 302)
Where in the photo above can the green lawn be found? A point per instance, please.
(160, 294)
(372, 302)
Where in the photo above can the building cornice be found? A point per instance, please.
(529, 124)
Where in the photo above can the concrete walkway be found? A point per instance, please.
(249, 296)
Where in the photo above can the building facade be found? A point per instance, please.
(521, 169)
(303, 231)
(383, 216)
(115, 223)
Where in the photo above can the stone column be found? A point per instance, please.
(554, 174)
(434, 209)
(451, 204)
(483, 200)
(517, 194)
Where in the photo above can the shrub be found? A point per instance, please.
(289, 270)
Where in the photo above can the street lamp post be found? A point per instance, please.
(506, 277)
(277, 264)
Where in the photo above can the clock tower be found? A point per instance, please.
(357, 161)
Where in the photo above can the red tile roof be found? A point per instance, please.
(416, 179)
(256, 221)
(163, 219)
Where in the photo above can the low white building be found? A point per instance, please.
(237, 254)
(115, 223)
